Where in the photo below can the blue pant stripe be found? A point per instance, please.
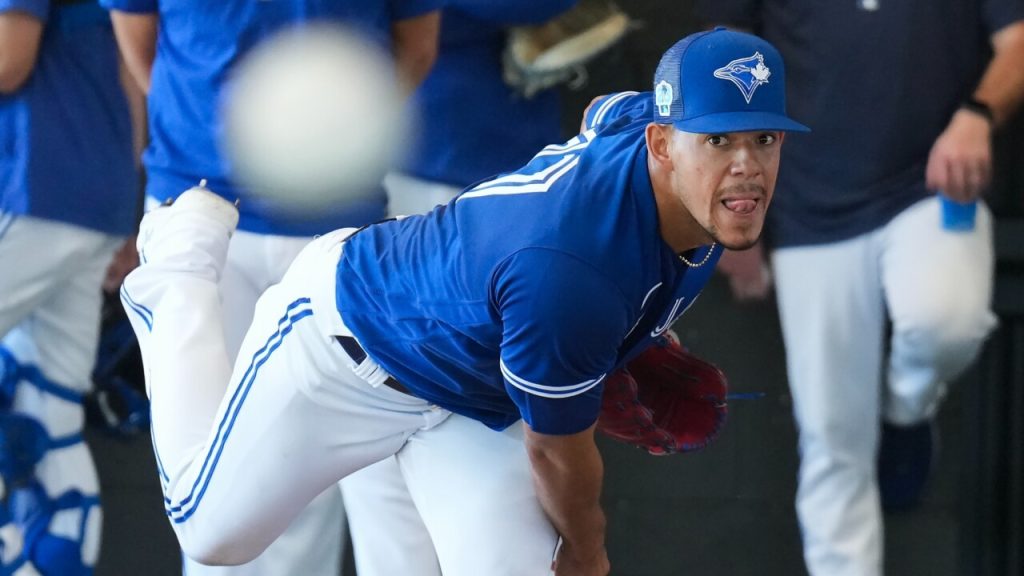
(235, 398)
(145, 313)
(284, 326)
(188, 513)
(159, 463)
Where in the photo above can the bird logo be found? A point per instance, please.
(746, 73)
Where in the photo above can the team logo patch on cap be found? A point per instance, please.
(663, 98)
(746, 73)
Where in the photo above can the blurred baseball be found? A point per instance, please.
(314, 117)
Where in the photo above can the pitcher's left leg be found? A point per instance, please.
(388, 535)
(474, 489)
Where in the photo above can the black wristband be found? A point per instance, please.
(980, 108)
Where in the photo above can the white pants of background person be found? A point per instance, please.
(313, 543)
(402, 544)
(50, 301)
(241, 454)
(936, 287)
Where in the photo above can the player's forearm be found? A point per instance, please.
(567, 473)
(415, 44)
(136, 38)
(20, 35)
(1002, 85)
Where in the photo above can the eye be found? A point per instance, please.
(717, 140)
(766, 139)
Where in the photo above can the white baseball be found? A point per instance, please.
(314, 117)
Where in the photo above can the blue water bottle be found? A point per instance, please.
(957, 216)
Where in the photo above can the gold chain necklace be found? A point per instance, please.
(707, 256)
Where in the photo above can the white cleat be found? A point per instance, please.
(190, 234)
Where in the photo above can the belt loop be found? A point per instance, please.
(365, 368)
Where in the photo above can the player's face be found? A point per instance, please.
(726, 181)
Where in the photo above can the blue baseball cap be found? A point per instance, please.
(722, 81)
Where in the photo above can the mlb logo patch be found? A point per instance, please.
(746, 73)
(663, 98)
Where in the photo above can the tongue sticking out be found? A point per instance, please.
(741, 206)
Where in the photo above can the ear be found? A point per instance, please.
(658, 143)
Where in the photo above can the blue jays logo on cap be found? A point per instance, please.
(746, 73)
(689, 92)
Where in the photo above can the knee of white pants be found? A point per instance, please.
(215, 537)
(926, 356)
(947, 339)
(213, 547)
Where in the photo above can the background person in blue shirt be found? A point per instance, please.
(511, 302)
(181, 54)
(462, 103)
(896, 93)
(68, 198)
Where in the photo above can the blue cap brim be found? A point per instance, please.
(745, 121)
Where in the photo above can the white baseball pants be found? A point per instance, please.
(312, 544)
(242, 453)
(50, 302)
(834, 299)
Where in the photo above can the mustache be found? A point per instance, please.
(744, 189)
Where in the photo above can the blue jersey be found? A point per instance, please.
(519, 296)
(65, 135)
(464, 100)
(198, 44)
(877, 88)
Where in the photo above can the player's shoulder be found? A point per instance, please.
(618, 107)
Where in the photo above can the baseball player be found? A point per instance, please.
(430, 337)
(68, 198)
(185, 74)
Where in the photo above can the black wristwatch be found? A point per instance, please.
(980, 108)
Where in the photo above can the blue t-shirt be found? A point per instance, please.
(198, 43)
(464, 101)
(519, 296)
(876, 88)
(65, 136)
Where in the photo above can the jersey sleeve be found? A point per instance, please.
(562, 324)
(37, 8)
(132, 6)
(617, 105)
(405, 9)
